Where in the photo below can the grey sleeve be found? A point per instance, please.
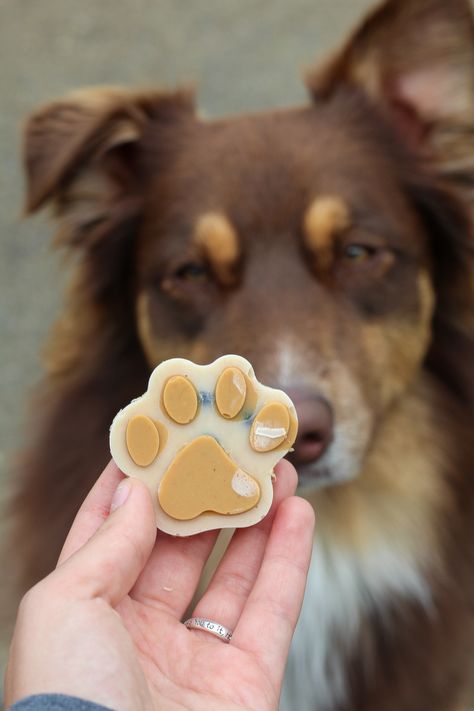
(56, 702)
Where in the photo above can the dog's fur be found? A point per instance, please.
(382, 157)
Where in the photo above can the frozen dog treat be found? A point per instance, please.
(205, 440)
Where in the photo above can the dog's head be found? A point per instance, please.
(325, 243)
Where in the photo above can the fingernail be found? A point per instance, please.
(120, 496)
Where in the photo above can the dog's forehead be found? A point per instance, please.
(264, 170)
(314, 142)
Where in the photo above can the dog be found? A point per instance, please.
(330, 244)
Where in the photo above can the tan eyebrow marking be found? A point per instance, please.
(324, 219)
(215, 235)
(145, 331)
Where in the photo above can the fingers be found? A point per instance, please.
(269, 617)
(108, 564)
(233, 580)
(93, 512)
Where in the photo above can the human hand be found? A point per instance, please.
(105, 625)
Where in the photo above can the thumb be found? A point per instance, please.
(109, 563)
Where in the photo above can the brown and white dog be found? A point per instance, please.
(330, 244)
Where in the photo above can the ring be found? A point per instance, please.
(201, 623)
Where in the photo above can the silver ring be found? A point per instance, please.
(201, 623)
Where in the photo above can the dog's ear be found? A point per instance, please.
(415, 59)
(81, 154)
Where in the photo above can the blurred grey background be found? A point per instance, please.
(241, 54)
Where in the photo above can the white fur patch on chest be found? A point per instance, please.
(341, 586)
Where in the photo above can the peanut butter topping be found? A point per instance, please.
(180, 400)
(202, 477)
(231, 390)
(270, 427)
(143, 440)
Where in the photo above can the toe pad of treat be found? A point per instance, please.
(205, 439)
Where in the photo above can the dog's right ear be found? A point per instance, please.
(80, 154)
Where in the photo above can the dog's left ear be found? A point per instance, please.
(415, 59)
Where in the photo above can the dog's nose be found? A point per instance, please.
(315, 428)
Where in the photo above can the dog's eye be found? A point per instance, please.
(358, 252)
(192, 272)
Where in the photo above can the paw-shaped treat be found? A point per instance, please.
(205, 439)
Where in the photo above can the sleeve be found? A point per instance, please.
(56, 702)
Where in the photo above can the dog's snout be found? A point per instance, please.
(315, 427)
